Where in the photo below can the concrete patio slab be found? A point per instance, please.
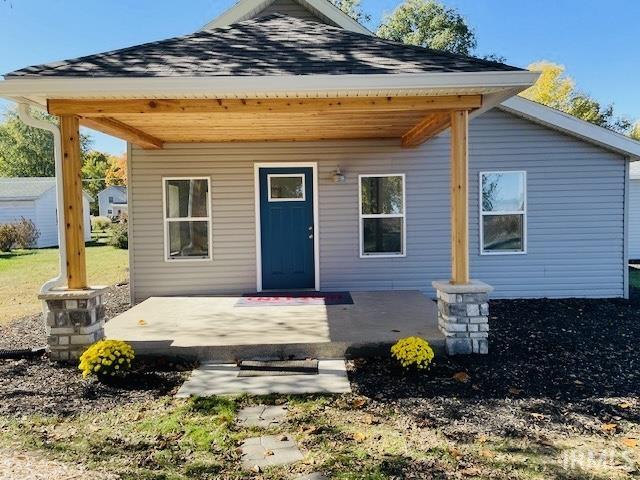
(269, 450)
(222, 379)
(212, 328)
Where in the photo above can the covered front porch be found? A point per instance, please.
(222, 329)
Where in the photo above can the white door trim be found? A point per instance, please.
(316, 230)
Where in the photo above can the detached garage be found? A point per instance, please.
(35, 199)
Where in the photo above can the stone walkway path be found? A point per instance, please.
(269, 450)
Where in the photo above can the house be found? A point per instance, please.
(112, 201)
(34, 198)
(634, 211)
(285, 147)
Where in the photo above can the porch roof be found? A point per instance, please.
(274, 44)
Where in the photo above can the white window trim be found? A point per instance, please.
(166, 221)
(522, 212)
(286, 175)
(402, 215)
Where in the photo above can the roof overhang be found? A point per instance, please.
(244, 9)
(574, 126)
(152, 111)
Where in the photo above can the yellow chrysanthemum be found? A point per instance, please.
(413, 351)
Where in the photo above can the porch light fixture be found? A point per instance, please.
(338, 176)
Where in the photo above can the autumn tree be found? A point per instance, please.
(117, 171)
(353, 9)
(635, 131)
(428, 23)
(556, 89)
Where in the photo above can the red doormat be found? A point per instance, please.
(280, 299)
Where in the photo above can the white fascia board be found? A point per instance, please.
(246, 8)
(571, 125)
(266, 86)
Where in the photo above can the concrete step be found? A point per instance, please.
(279, 351)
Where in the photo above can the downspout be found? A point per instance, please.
(24, 112)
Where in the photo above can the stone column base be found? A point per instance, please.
(463, 316)
(75, 320)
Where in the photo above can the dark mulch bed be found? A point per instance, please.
(38, 386)
(554, 366)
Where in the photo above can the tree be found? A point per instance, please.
(429, 24)
(117, 172)
(27, 151)
(556, 89)
(94, 174)
(635, 131)
(353, 9)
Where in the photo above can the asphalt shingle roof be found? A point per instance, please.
(25, 188)
(270, 45)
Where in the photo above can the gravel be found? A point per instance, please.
(555, 366)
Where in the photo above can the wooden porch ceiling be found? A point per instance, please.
(151, 123)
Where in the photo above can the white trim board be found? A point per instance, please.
(316, 224)
(244, 9)
(563, 122)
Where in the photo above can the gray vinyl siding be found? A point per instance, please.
(292, 9)
(575, 213)
(634, 218)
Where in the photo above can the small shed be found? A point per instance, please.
(112, 201)
(34, 198)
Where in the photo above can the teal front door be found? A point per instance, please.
(287, 228)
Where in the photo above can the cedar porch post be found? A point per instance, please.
(73, 205)
(459, 197)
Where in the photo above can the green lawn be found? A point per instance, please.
(634, 278)
(22, 272)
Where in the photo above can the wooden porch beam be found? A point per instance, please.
(431, 125)
(100, 108)
(459, 197)
(73, 205)
(111, 126)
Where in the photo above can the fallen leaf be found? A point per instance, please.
(368, 419)
(515, 391)
(630, 442)
(482, 439)
(268, 453)
(462, 377)
(578, 382)
(539, 416)
(311, 430)
(609, 427)
(359, 402)
(455, 452)
(359, 437)
(256, 469)
(624, 405)
(487, 453)
(141, 322)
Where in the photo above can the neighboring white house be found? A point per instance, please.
(112, 201)
(35, 199)
(634, 211)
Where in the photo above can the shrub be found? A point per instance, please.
(7, 236)
(106, 358)
(119, 233)
(100, 223)
(27, 233)
(413, 352)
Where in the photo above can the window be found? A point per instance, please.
(503, 210)
(110, 199)
(382, 215)
(286, 187)
(187, 221)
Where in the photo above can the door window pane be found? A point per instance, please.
(382, 195)
(188, 239)
(286, 187)
(382, 235)
(503, 192)
(187, 198)
(503, 233)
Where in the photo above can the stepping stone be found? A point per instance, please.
(269, 450)
(312, 476)
(262, 416)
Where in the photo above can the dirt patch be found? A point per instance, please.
(555, 367)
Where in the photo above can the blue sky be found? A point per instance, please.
(595, 40)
